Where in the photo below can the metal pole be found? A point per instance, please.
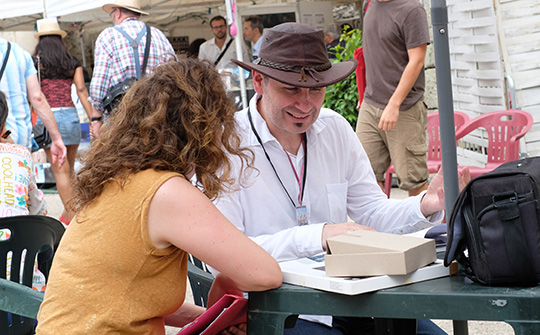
(240, 56)
(236, 32)
(439, 20)
(81, 43)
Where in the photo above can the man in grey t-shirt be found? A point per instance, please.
(393, 117)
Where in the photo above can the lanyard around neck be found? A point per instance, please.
(301, 197)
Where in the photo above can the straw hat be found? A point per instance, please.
(132, 5)
(295, 54)
(49, 28)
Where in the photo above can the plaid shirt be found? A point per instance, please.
(114, 60)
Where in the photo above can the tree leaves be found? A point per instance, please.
(342, 97)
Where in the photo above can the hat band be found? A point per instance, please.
(313, 71)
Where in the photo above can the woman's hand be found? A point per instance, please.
(222, 285)
(240, 329)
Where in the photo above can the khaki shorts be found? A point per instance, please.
(405, 145)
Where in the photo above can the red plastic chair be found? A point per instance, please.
(501, 130)
(434, 159)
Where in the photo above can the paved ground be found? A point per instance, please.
(475, 327)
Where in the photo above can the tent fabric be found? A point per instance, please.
(20, 8)
(62, 7)
(50, 8)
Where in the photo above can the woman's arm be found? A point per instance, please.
(82, 93)
(183, 216)
(184, 315)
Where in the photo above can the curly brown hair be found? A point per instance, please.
(176, 119)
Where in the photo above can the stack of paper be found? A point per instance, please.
(310, 272)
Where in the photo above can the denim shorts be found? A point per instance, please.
(69, 124)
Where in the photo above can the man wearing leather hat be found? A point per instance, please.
(312, 170)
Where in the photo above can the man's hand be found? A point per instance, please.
(433, 200)
(94, 128)
(331, 230)
(389, 117)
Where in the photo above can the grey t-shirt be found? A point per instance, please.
(390, 29)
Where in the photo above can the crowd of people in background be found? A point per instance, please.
(173, 168)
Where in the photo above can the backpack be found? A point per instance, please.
(497, 219)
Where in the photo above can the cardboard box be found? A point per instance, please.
(367, 253)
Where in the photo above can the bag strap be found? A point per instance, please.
(147, 49)
(135, 45)
(5, 60)
(224, 51)
(456, 243)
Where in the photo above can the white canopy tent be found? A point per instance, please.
(85, 19)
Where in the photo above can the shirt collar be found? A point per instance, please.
(226, 40)
(262, 128)
(257, 44)
(130, 19)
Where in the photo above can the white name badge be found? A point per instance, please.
(301, 215)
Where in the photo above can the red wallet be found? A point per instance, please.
(230, 310)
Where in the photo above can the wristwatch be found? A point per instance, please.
(97, 118)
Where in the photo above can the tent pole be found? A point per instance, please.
(439, 20)
(240, 56)
(81, 41)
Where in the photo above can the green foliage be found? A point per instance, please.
(343, 96)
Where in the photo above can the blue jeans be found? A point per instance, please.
(354, 326)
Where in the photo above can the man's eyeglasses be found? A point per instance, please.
(219, 27)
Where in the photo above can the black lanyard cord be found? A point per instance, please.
(272, 164)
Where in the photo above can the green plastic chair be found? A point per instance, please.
(38, 235)
(200, 280)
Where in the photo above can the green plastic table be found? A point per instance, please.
(453, 298)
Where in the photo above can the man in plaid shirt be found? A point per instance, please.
(114, 60)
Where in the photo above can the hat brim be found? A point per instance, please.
(110, 6)
(335, 74)
(52, 32)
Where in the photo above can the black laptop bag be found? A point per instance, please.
(496, 218)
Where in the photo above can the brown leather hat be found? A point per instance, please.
(295, 54)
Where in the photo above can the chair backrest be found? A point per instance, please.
(497, 133)
(200, 280)
(22, 238)
(434, 135)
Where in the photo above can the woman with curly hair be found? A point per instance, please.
(57, 70)
(121, 266)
